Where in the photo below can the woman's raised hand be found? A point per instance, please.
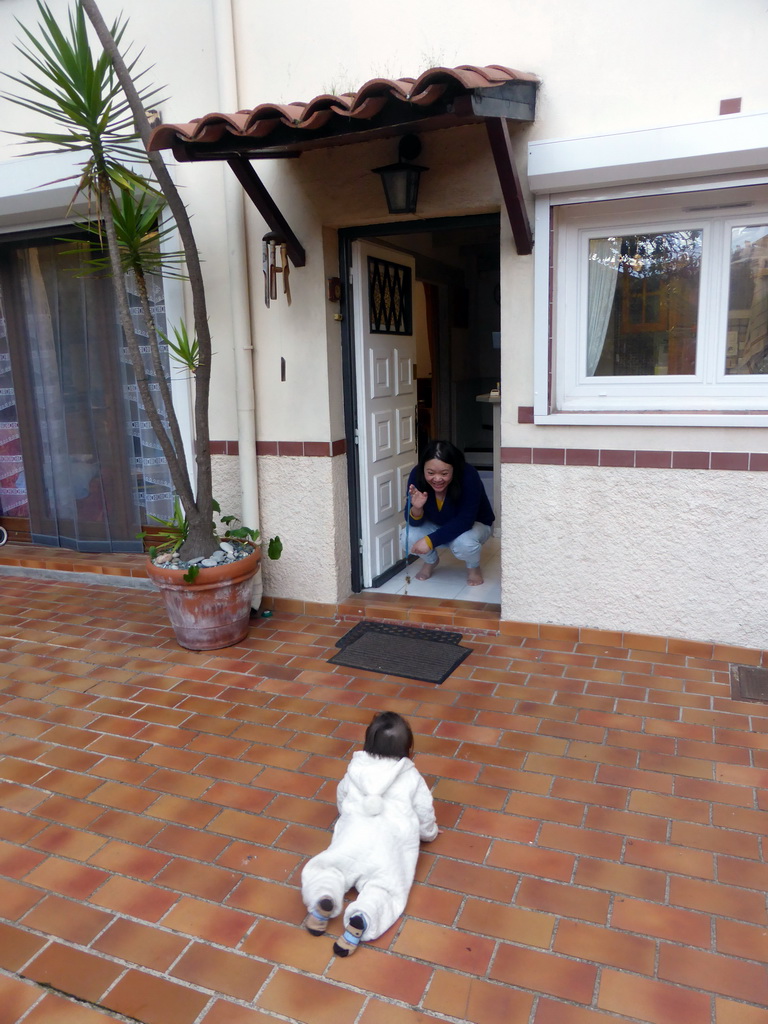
(418, 498)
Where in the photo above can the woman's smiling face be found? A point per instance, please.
(438, 475)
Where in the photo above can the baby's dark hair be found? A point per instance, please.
(388, 735)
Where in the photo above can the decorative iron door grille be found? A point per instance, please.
(389, 297)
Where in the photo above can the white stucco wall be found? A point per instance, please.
(304, 502)
(225, 472)
(323, 190)
(604, 68)
(648, 551)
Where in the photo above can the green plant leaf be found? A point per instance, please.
(174, 530)
(79, 92)
(184, 351)
(275, 548)
(192, 573)
(140, 236)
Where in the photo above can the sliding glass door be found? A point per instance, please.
(77, 459)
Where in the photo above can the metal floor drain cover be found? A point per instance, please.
(749, 683)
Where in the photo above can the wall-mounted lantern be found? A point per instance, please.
(401, 180)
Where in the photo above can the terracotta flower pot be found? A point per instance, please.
(215, 610)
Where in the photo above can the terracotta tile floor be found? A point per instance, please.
(604, 813)
(47, 559)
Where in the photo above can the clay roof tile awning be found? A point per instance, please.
(381, 108)
(439, 98)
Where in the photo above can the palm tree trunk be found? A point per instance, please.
(200, 513)
(157, 363)
(176, 466)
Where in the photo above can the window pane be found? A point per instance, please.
(747, 350)
(643, 304)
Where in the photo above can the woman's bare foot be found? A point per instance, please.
(426, 570)
(474, 577)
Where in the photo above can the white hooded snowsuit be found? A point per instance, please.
(385, 809)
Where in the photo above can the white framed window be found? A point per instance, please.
(656, 304)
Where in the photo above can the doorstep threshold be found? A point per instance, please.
(425, 611)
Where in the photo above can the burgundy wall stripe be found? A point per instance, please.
(306, 449)
(754, 462)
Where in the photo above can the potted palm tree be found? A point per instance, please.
(98, 110)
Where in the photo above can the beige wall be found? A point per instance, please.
(304, 502)
(605, 67)
(638, 550)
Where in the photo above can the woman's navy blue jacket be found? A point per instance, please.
(455, 517)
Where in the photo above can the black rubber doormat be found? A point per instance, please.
(428, 655)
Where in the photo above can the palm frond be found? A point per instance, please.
(77, 91)
(141, 235)
(184, 350)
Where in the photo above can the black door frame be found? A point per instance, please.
(346, 237)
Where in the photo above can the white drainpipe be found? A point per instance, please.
(242, 341)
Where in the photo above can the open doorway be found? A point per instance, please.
(453, 306)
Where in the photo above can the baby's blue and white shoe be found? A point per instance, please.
(352, 937)
(316, 921)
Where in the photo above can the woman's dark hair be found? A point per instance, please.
(388, 735)
(443, 451)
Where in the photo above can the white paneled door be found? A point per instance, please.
(385, 353)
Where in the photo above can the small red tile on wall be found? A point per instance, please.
(548, 456)
(290, 447)
(582, 457)
(758, 462)
(653, 460)
(339, 447)
(516, 455)
(690, 460)
(316, 449)
(616, 457)
(525, 414)
(729, 460)
(266, 447)
(730, 106)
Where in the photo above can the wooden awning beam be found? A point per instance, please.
(511, 190)
(506, 168)
(267, 207)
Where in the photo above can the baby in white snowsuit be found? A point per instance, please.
(385, 809)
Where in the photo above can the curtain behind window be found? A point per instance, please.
(82, 433)
(602, 282)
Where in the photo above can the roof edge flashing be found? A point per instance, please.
(730, 144)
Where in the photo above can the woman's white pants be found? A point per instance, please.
(466, 547)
